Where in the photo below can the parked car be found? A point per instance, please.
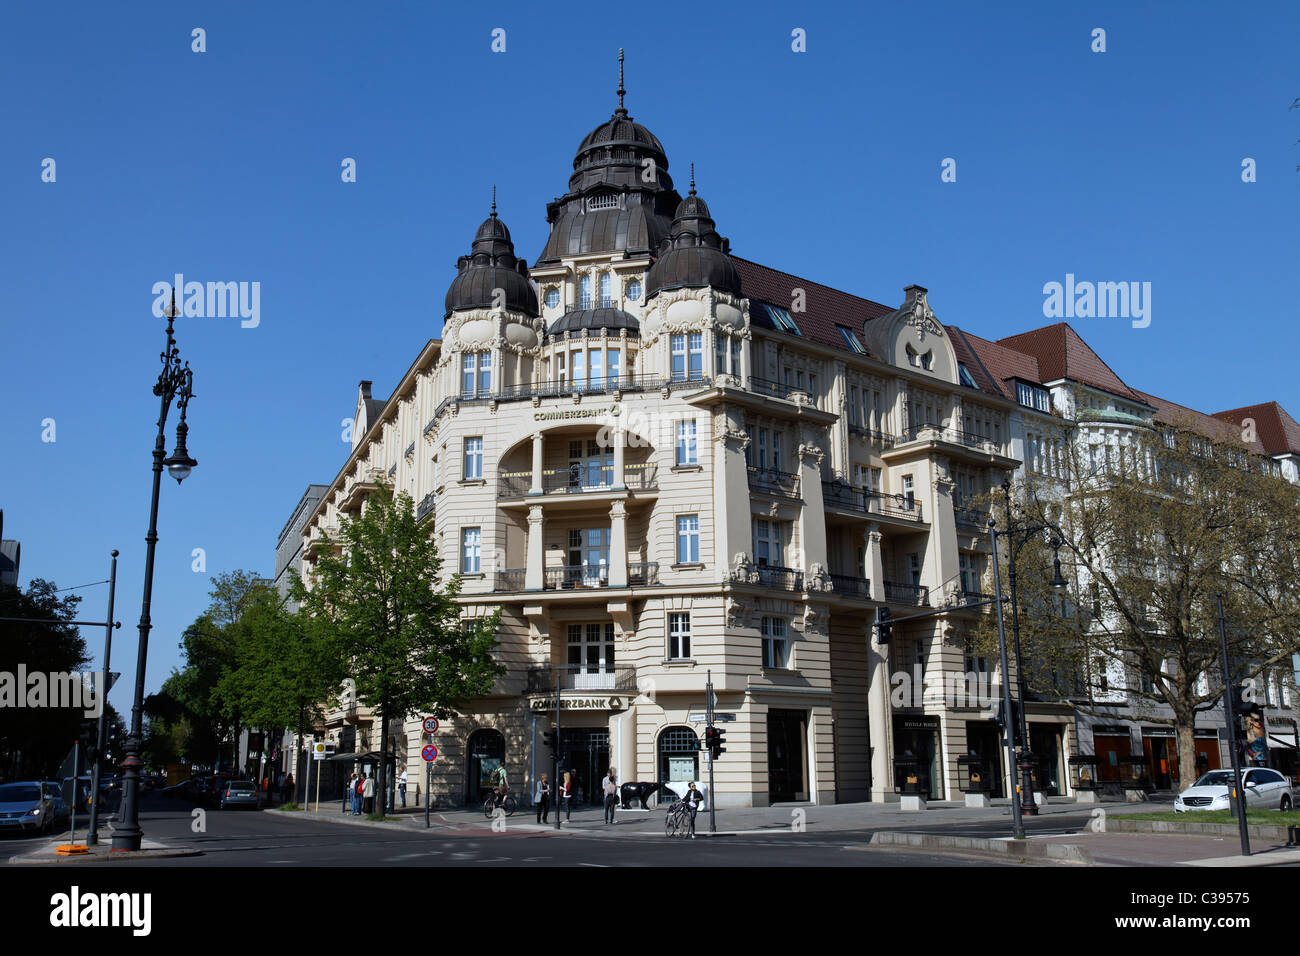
(238, 793)
(55, 793)
(26, 806)
(1264, 789)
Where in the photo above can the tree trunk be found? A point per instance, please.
(1186, 756)
(298, 782)
(381, 785)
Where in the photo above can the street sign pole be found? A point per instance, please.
(428, 784)
(556, 786)
(92, 834)
(1230, 717)
(708, 710)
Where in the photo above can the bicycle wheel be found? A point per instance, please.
(673, 823)
(488, 808)
(510, 806)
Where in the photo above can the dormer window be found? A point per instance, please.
(851, 340)
(1031, 396)
(919, 360)
(963, 373)
(634, 291)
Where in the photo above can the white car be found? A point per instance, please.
(1264, 788)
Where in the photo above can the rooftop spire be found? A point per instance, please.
(692, 179)
(494, 200)
(621, 91)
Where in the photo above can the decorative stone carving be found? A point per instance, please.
(809, 450)
(742, 570)
(737, 613)
(818, 578)
(919, 315)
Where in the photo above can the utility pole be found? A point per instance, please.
(708, 722)
(556, 786)
(92, 835)
(1017, 824)
(1229, 714)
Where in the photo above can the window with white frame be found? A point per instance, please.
(909, 492)
(687, 448)
(687, 356)
(768, 543)
(471, 544)
(584, 292)
(688, 539)
(591, 653)
(776, 648)
(476, 374)
(473, 458)
(855, 405)
(614, 365)
(679, 637)
(606, 293)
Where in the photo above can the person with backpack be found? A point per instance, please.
(355, 784)
(368, 793)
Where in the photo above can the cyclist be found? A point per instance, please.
(692, 798)
(502, 788)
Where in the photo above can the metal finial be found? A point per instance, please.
(494, 200)
(621, 91)
(692, 179)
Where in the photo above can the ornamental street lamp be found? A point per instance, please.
(1024, 761)
(175, 383)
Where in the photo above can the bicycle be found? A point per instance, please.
(508, 805)
(678, 820)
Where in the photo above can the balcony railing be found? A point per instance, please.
(772, 482)
(640, 574)
(785, 579)
(971, 517)
(426, 507)
(917, 594)
(837, 494)
(542, 680)
(885, 439)
(954, 435)
(643, 476)
(764, 386)
(851, 587)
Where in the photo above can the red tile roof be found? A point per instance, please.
(1171, 413)
(1061, 353)
(1279, 433)
(826, 307)
(992, 365)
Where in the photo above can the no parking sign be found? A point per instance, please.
(429, 752)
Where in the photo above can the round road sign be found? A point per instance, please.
(431, 725)
(429, 752)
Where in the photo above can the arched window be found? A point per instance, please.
(679, 760)
(584, 292)
(605, 298)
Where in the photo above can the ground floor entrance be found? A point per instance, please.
(1045, 744)
(1161, 750)
(983, 740)
(584, 752)
(787, 738)
(916, 739)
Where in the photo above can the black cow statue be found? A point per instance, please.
(642, 791)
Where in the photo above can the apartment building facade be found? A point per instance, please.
(668, 464)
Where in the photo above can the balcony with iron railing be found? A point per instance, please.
(426, 507)
(783, 579)
(765, 386)
(640, 574)
(883, 439)
(838, 494)
(955, 436)
(914, 594)
(579, 479)
(858, 589)
(769, 481)
(581, 677)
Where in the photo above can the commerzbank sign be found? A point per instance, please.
(578, 703)
(611, 410)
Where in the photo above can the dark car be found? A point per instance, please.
(238, 793)
(27, 806)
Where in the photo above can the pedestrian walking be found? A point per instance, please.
(279, 785)
(356, 795)
(693, 799)
(542, 798)
(609, 786)
(401, 786)
(566, 795)
(288, 786)
(368, 793)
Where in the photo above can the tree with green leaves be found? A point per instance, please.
(34, 740)
(397, 625)
(1154, 531)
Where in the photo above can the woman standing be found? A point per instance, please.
(566, 795)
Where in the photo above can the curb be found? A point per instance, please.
(104, 856)
(339, 818)
(1115, 824)
(1021, 849)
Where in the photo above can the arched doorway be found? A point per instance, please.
(484, 754)
(679, 759)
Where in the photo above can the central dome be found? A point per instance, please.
(611, 206)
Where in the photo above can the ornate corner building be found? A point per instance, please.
(663, 461)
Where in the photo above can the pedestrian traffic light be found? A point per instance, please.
(883, 617)
(548, 738)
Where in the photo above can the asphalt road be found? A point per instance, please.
(240, 838)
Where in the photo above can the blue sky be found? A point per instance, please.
(225, 166)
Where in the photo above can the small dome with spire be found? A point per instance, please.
(491, 265)
(693, 255)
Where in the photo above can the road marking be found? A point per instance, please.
(601, 865)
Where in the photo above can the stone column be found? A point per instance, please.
(536, 488)
(880, 721)
(534, 576)
(618, 545)
(812, 517)
(875, 569)
(620, 446)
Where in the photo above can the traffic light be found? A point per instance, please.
(883, 617)
(87, 734)
(719, 738)
(1001, 720)
(549, 739)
